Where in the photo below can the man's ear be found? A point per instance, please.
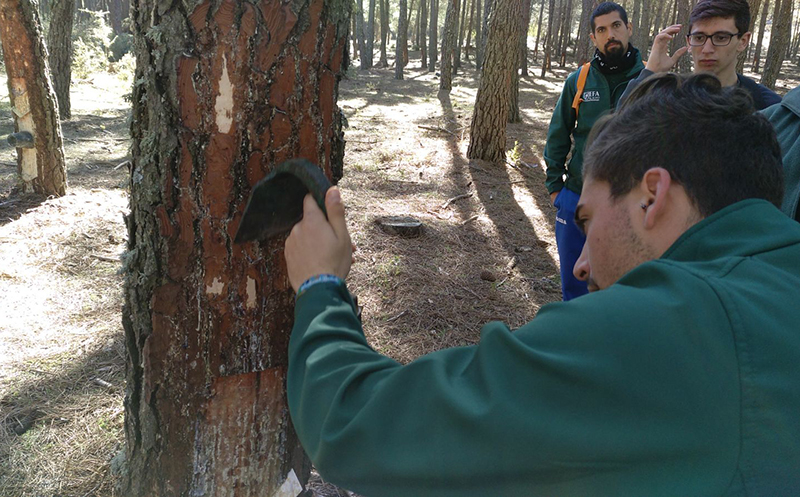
(630, 30)
(591, 36)
(654, 190)
(744, 40)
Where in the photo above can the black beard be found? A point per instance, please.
(615, 54)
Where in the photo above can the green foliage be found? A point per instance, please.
(514, 155)
(120, 46)
(90, 43)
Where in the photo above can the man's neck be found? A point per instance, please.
(728, 79)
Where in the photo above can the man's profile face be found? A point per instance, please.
(611, 35)
(713, 59)
(613, 247)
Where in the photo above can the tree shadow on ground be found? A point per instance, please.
(57, 398)
(517, 234)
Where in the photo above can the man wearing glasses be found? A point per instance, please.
(718, 33)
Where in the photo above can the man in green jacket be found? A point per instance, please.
(678, 378)
(615, 63)
(785, 117)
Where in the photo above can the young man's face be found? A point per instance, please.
(611, 35)
(613, 247)
(720, 61)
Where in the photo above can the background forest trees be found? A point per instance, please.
(558, 32)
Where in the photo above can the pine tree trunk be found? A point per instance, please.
(742, 58)
(548, 39)
(473, 5)
(565, 34)
(423, 38)
(762, 26)
(643, 36)
(583, 48)
(448, 46)
(433, 45)
(460, 41)
(228, 92)
(409, 11)
(487, 10)
(59, 44)
(360, 29)
(40, 169)
(384, 60)
(523, 38)
(354, 36)
(539, 31)
(778, 40)
(400, 46)
(684, 8)
(488, 129)
(117, 12)
(370, 35)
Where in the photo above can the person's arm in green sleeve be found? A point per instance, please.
(590, 398)
(559, 137)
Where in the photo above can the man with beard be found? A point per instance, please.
(718, 33)
(615, 63)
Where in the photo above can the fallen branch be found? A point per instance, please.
(8, 164)
(397, 317)
(455, 199)
(102, 383)
(470, 219)
(441, 130)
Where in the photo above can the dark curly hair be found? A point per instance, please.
(708, 137)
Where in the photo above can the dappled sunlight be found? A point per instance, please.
(48, 255)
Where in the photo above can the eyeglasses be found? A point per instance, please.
(719, 39)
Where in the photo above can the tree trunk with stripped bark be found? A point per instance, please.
(225, 91)
(42, 168)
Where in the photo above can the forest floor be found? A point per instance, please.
(487, 252)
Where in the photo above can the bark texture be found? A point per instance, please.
(449, 40)
(433, 45)
(225, 91)
(778, 42)
(583, 50)
(423, 36)
(370, 35)
(384, 61)
(59, 44)
(683, 9)
(754, 5)
(359, 34)
(488, 129)
(400, 47)
(762, 24)
(33, 102)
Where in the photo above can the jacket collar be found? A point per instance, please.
(743, 229)
(792, 101)
(633, 71)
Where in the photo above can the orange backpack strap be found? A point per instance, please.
(576, 102)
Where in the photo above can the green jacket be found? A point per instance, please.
(785, 117)
(681, 379)
(563, 136)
